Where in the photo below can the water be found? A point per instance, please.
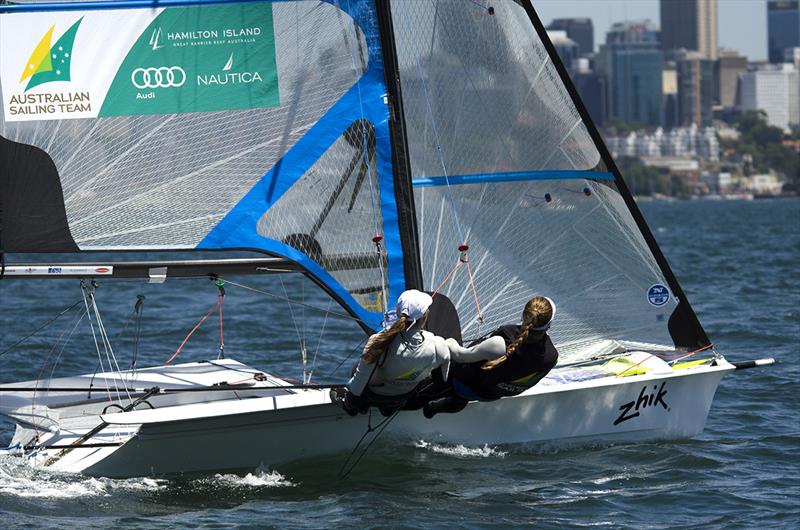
(737, 262)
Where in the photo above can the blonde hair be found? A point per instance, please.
(378, 342)
(537, 313)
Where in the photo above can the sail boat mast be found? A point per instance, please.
(684, 327)
(401, 162)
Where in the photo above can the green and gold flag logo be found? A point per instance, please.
(50, 63)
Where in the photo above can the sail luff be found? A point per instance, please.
(684, 326)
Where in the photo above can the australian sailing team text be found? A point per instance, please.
(49, 103)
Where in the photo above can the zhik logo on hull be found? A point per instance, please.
(632, 409)
(49, 63)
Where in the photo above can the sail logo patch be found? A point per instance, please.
(633, 409)
(150, 61)
(658, 295)
(162, 77)
(174, 64)
(49, 63)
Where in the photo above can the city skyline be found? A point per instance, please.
(742, 23)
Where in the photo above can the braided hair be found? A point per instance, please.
(378, 342)
(537, 313)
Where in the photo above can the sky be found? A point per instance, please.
(742, 23)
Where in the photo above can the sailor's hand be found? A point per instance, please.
(350, 403)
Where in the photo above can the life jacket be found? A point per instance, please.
(521, 370)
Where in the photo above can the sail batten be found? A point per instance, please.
(511, 176)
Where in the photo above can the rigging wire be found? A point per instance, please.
(40, 328)
(109, 350)
(195, 328)
(303, 304)
(355, 349)
(94, 337)
(64, 344)
(319, 343)
(349, 465)
(44, 366)
(440, 152)
(303, 356)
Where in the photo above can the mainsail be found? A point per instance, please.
(378, 144)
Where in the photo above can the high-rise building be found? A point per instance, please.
(783, 27)
(775, 89)
(792, 55)
(690, 24)
(726, 77)
(566, 48)
(669, 89)
(695, 89)
(579, 30)
(593, 89)
(632, 61)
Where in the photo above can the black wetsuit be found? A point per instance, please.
(532, 360)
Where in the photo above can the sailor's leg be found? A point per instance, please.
(450, 404)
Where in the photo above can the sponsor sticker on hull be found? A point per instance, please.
(648, 398)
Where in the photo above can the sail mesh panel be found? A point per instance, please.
(480, 91)
(332, 212)
(481, 96)
(579, 250)
(165, 181)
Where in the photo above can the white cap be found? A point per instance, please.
(546, 325)
(412, 303)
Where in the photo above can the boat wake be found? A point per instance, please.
(17, 479)
(461, 451)
(258, 479)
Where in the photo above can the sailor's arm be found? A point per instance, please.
(491, 348)
(360, 378)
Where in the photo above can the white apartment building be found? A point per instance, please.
(775, 89)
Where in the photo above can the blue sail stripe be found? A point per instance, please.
(364, 100)
(511, 176)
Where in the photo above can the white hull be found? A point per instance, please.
(243, 434)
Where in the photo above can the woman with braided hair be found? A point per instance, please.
(524, 355)
(396, 360)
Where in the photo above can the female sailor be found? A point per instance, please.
(524, 355)
(400, 357)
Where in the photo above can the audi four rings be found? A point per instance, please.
(162, 77)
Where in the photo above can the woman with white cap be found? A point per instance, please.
(526, 355)
(401, 356)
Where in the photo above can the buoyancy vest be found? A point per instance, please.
(521, 370)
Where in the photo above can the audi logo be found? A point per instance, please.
(163, 77)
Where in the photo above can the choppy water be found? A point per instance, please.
(738, 263)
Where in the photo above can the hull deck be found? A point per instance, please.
(272, 423)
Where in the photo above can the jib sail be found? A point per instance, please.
(508, 175)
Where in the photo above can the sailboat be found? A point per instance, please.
(370, 145)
